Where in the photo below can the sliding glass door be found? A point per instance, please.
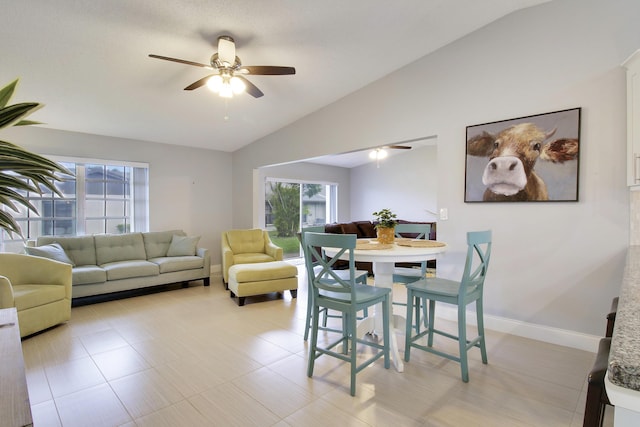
(291, 205)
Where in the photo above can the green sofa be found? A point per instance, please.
(107, 263)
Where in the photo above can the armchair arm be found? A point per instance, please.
(271, 249)
(204, 253)
(6, 293)
(227, 257)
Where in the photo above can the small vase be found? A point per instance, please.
(385, 235)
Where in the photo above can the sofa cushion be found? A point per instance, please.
(88, 274)
(250, 258)
(242, 273)
(333, 228)
(29, 296)
(367, 229)
(128, 269)
(183, 246)
(246, 241)
(119, 247)
(80, 249)
(156, 243)
(52, 251)
(178, 263)
(349, 228)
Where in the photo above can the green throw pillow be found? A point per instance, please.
(183, 246)
(52, 251)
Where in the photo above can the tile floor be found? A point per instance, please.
(192, 357)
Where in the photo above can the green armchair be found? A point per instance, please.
(247, 247)
(39, 289)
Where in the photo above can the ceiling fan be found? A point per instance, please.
(229, 76)
(380, 153)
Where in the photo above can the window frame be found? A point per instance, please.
(135, 216)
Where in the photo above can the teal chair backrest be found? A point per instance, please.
(421, 231)
(477, 263)
(312, 229)
(325, 277)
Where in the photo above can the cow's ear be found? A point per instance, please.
(560, 150)
(481, 145)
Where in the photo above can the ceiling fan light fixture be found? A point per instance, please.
(237, 85)
(226, 91)
(215, 83)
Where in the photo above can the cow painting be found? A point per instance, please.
(510, 157)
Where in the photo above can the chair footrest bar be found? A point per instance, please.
(434, 351)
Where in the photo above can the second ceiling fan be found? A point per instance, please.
(229, 77)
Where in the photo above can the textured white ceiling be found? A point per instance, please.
(88, 60)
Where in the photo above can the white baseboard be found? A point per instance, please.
(533, 331)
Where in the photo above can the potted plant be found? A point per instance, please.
(385, 225)
(20, 170)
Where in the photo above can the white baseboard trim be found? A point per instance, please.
(216, 269)
(533, 331)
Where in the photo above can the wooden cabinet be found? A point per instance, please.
(15, 409)
(632, 64)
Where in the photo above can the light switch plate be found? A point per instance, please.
(444, 214)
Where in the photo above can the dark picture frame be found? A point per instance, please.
(526, 159)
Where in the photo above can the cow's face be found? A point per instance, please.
(512, 158)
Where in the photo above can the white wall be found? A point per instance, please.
(554, 264)
(406, 183)
(188, 187)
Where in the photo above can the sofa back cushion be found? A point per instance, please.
(80, 249)
(156, 243)
(366, 228)
(350, 228)
(119, 247)
(246, 241)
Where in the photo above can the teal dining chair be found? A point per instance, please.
(361, 277)
(468, 290)
(406, 275)
(409, 274)
(335, 292)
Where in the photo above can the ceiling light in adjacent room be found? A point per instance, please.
(378, 154)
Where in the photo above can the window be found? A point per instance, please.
(291, 205)
(103, 197)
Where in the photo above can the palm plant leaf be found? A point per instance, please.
(9, 224)
(14, 113)
(8, 196)
(7, 92)
(22, 171)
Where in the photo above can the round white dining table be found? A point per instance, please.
(383, 265)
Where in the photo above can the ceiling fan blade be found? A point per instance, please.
(198, 83)
(267, 70)
(399, 147)
(227, 50)
(251, 88)
(181, 61)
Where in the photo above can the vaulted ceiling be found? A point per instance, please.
(88, 60)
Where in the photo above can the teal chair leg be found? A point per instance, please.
(309, 309)
(351, 332)
(386, 330)
(462, 343)
(409, 326)
(480, 320)
(314, 342)
(432, 315)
